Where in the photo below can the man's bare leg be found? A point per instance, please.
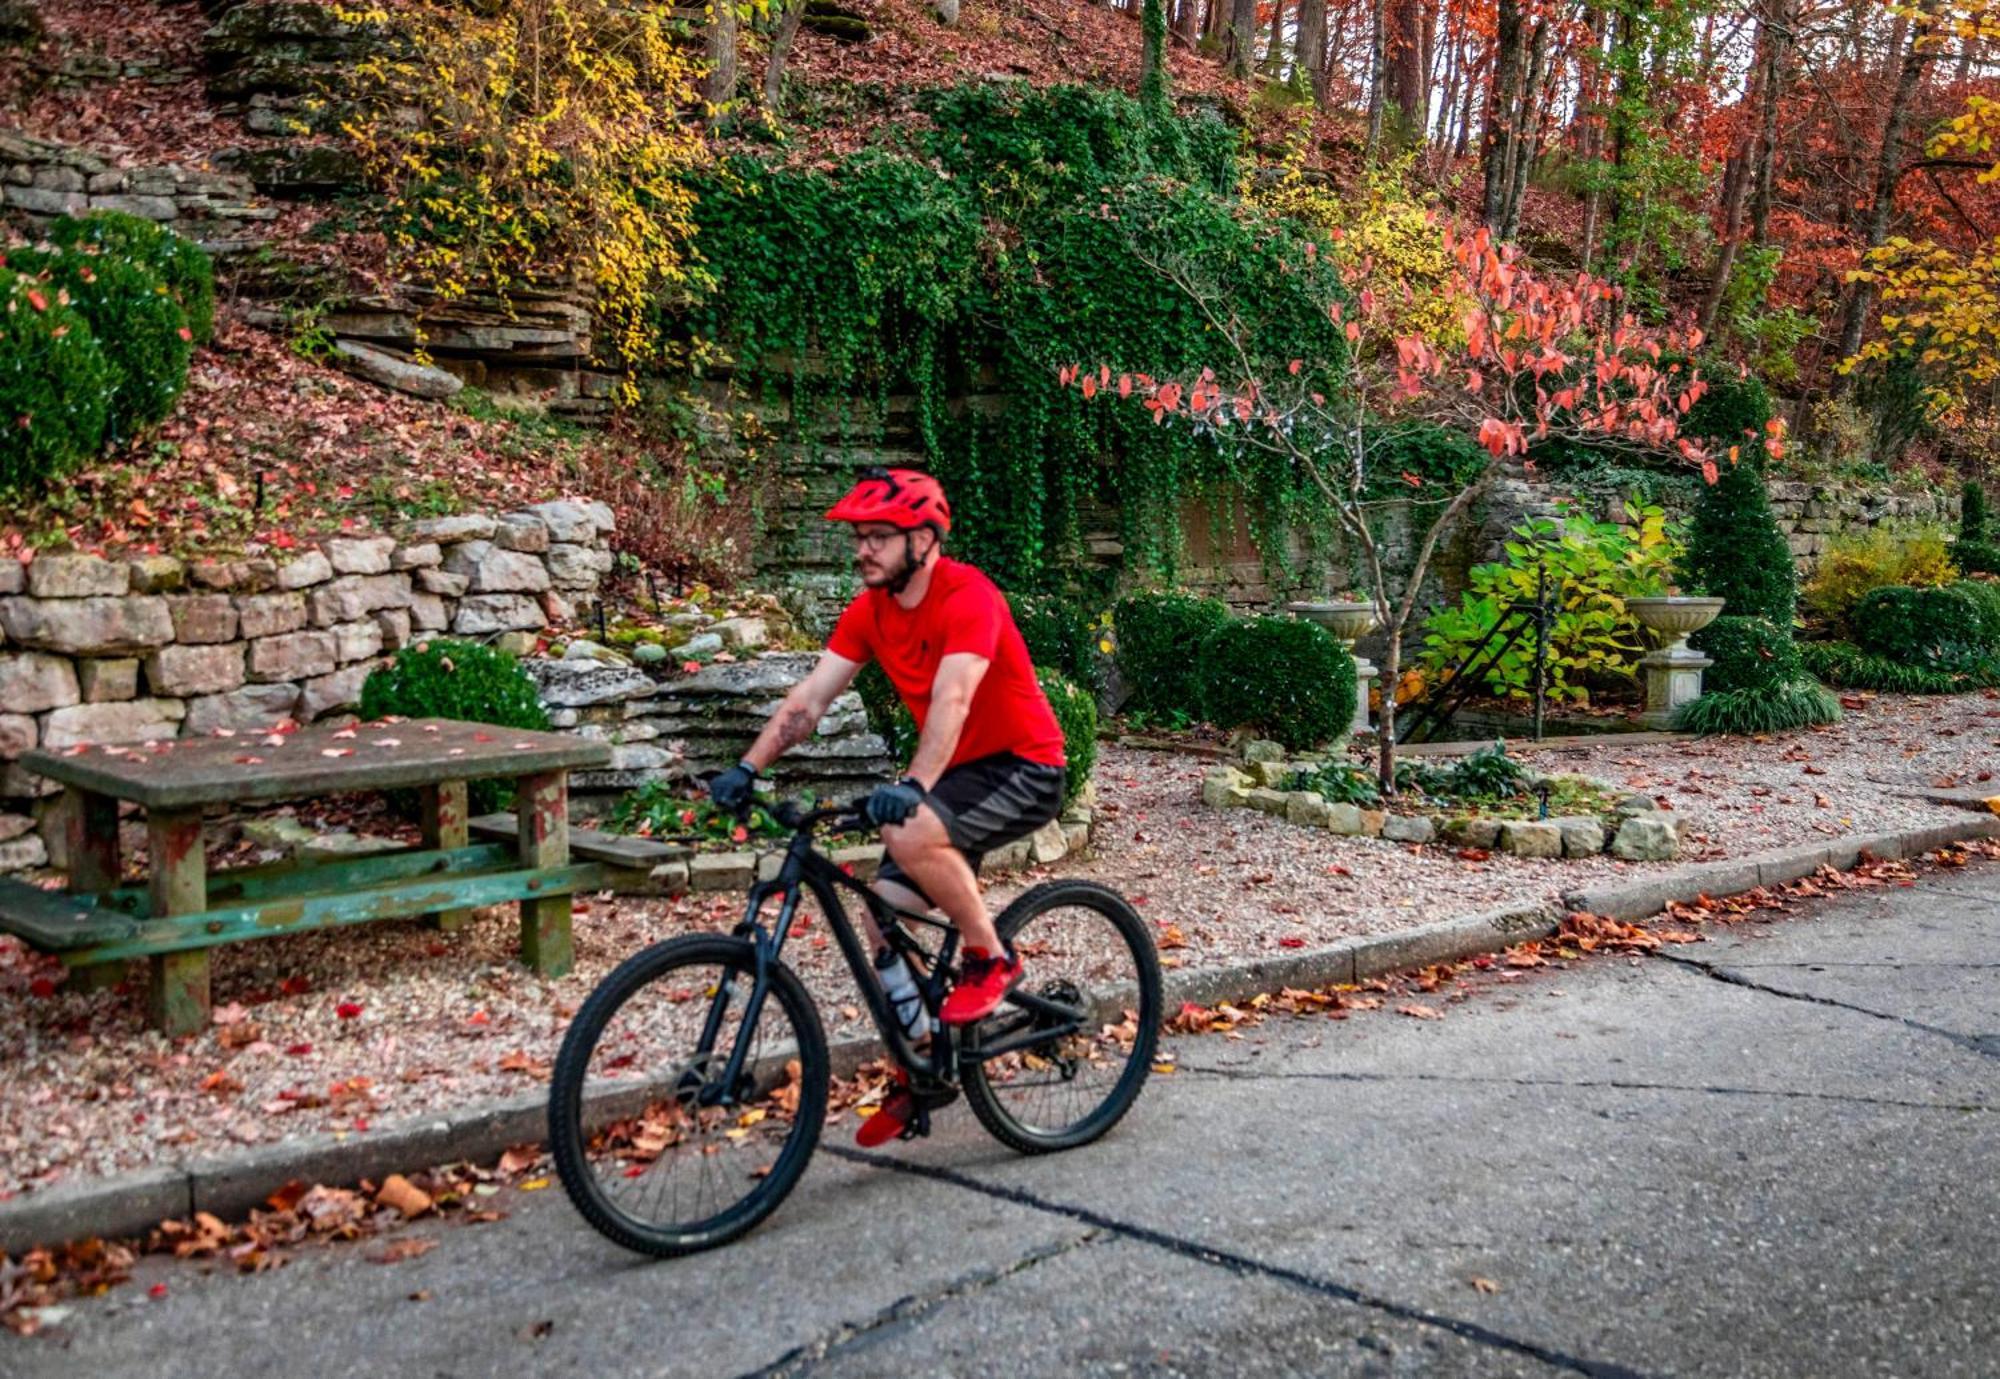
(922, 848)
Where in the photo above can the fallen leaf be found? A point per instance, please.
(396, 1251)
(1483, 1285)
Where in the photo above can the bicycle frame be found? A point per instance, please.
(805, 869)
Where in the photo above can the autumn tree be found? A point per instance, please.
(1528, 360)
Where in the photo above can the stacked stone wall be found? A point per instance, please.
(127, 651)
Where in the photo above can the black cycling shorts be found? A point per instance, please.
(986, 804)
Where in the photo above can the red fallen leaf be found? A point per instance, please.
(249, 761)
(1473, 854)
(294, 986)
(482, 737)
(158, 1290)
(347, 1010)
(690, 667)
(299, 1050)
(1335, 869)
(41, 988)
(185, 333)
(1417, 1012)
(40, 303)
(1291, 941)
(739, 834)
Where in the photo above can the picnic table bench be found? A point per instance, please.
(184, 910)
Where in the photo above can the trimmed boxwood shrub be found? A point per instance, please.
(1157, 636)
(140, 327)
(462, 680)
(1288, 679)
(1934, 628)
(1059, 636)
(1076, 710)
(1749, 654)
(55, 386)
(1972, 512)
(179, 263)
(1976, 557)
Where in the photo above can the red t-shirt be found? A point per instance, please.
(962, 611)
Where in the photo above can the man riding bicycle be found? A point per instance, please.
(989, 764)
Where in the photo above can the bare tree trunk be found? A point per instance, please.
(1472, 74)
(781, 49)
(719, 89)
(1764, 168)
(1405, 86)
(1503, 102)
(1375, 79)
(1448, 98)
(1274, 50)
(1533, 113)
(1187, 22)
(1311, 47)
(1241, 48)
(1888, 170)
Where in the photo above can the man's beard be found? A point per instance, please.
(894, 578)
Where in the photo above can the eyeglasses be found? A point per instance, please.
(875, 540)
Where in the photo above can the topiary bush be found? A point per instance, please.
(140, 327)
(1735, 551)
(462, 680)
(1749, 654)
(1288, 679)
(1972, 512)
(1076, 710)
(1780, 708)
(1733, 410)
(1059, 636)
(55, 386)
(179, 263)
(1937, 629)
(1156, 634)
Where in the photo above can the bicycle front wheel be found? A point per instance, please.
(1067, 1078)
(660, 1147)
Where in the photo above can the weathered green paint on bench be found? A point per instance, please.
(58, 923)
(249, 769)
(282, 879)
(612, 849)
(295, 914)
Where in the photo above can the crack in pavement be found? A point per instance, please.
(1983, 897)
(1582, 1084)
(1897, 966)
(1985, 1045)
(846, 1336)
(1246, 1266)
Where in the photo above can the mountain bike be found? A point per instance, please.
(692, 1085)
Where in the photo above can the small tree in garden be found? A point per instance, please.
(1532, 359)
(1735, 551)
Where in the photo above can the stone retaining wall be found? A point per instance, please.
(41, 179)
(118, 651)
(666, 725)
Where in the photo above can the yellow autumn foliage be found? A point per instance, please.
(535, 145)
(1379, 223)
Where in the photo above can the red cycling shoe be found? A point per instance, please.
(983, 984)
(891, 1118)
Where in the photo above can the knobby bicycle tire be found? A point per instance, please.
(569, 1140)
(999, 1121)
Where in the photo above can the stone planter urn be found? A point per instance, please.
(1673, 672)
(1348, 622)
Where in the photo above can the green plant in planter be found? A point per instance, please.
(1289, 679)
(462, 680)
(1156, 636)
(55, 386)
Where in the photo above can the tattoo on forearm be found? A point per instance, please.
(794, 727)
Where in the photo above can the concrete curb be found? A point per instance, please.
(230, 1185)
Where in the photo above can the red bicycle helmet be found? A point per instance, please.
(906, 498)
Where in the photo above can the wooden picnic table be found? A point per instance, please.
(183, 911)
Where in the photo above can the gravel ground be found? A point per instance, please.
(367, 1027)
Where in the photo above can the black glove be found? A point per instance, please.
(731, 790)
(891, 804)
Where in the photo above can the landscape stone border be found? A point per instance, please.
(1644, 832)
(131, 1204)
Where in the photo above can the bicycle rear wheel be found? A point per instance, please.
(655, 1150)
(1086, 949)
